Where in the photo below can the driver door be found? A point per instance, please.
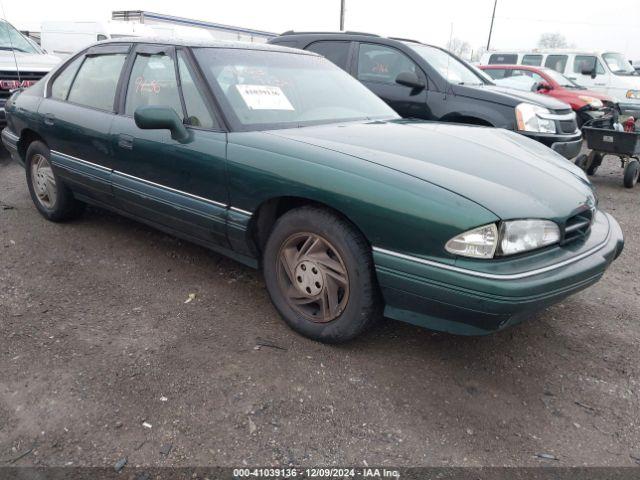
(377, 67)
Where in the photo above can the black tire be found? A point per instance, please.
(63, 206)
(581, 161)
(631, 172)
(594, 161)
(363, 306)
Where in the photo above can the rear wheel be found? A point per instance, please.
(319, 273)
(51, 197)
(631, 172)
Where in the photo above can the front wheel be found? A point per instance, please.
(319, 273)
(631, 172)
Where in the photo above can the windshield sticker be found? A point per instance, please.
(264, 97)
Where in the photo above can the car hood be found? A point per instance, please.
(27, 61)
(509, 174)
(509, 96)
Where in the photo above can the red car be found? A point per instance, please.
(586, 103)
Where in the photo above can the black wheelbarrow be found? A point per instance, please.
(603, 139)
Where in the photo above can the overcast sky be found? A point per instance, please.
(589, 24)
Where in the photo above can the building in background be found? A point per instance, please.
(216, 30)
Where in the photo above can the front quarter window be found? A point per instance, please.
(262, 89)
(449, 67)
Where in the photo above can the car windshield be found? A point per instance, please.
(454, 70)
(618, 64)
(265, 89)
(561, 79)
(12, 39)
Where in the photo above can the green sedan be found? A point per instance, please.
(282, 161)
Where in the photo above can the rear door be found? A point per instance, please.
(180, 186)
(77, 115)
(378, 66)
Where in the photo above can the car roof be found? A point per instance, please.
(198, 43)
(349, 35)
(549, 51)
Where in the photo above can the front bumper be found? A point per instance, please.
(632, 109)
(566, 145)
(10, 142)
(472, 302)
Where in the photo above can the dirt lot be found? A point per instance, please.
(97, 339)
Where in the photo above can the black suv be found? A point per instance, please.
(423, 81)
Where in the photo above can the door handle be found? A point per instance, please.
(600, 84)
(572, 78)
(49, 119)
(125, 141)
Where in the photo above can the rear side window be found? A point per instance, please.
(197, 113)
(496, 73)
(61, 85)
(556, 62)
(533, 60)
(153, 82)
(377, 63)
(336, 52)
(504, 58)
(582, 62)
(96, 82)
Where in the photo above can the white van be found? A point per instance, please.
(607, 72)
(66, 38)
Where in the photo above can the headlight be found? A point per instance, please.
(529, 119)
(514, 236)
(480, 242)
(592, 101)
(633, 94)
(521, 235)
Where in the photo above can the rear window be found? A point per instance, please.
(336, 52)
(496, 73)
(556, 62)
(533, 60)
(504, 58)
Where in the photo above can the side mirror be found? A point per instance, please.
(543, 86)
(409, 79)
(590, 71)
(161, 118)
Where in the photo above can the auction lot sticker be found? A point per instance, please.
(264, 97)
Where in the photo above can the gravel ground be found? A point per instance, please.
(102, 358)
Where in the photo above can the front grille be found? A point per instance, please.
(568, 126)
(9, 80)
(578, 226)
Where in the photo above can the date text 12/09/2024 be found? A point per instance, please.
(319, 473)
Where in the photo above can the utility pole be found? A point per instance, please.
(495, 4)
(342, 15)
